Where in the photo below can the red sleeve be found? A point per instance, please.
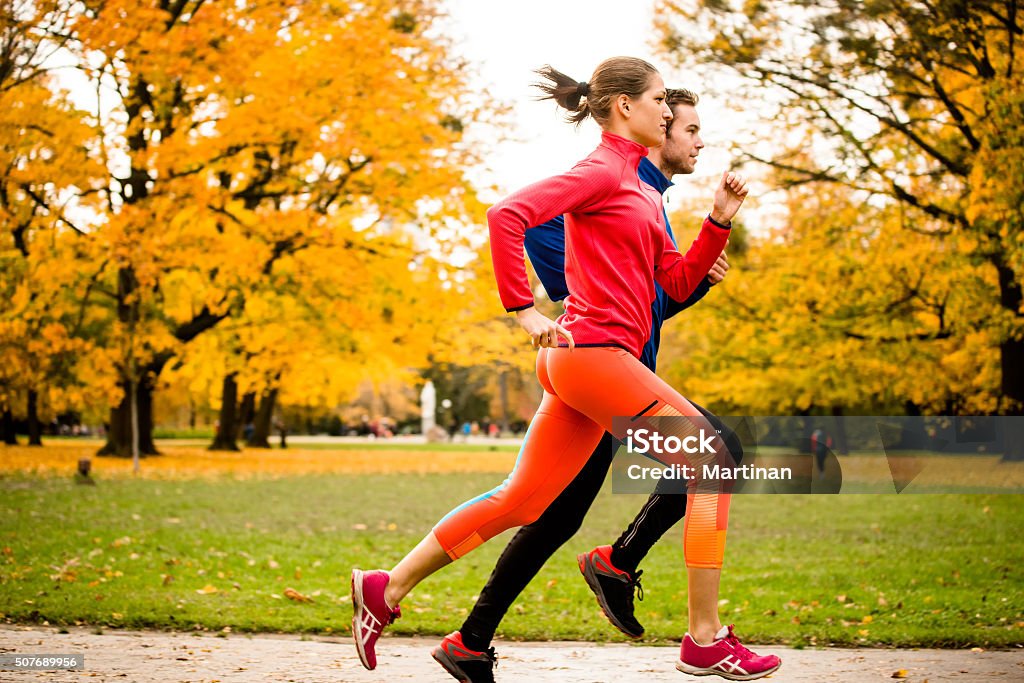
(679, 275)
(585, 186)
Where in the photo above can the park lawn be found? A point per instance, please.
(218, 552)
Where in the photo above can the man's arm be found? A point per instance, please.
(673, 307)
(716, 275)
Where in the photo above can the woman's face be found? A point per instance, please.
(648, 114)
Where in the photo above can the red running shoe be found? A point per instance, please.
(465, 665)
(726, 657)
(371, 613)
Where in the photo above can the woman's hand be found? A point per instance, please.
(542, 330)
(729, 195)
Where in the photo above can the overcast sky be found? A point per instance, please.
(506, 42)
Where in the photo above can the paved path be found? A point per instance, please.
(158, 657)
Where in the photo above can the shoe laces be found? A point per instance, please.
(736, 645)
(491, 655)
(634, 583)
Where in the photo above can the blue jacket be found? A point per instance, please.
(545, 245)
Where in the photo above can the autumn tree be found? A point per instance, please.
(317, 333)
(917, 105)
(234, 136)
(841, 311)
(46, 178)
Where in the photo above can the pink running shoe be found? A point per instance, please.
(370, 613)
(726, 657)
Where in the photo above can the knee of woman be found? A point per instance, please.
(528, 513)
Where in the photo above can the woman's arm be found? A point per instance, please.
(585, 186)
(680, 275)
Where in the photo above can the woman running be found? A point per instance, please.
(616, 248)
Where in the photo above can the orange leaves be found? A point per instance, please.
(180, 462)
(236, 161)
(295, 595)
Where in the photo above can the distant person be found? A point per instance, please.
(821, 445)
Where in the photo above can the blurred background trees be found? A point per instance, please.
(230, 213)
(893, 131)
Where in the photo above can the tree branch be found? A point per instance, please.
(42, 203)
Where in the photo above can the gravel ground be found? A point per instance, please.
(154, 656)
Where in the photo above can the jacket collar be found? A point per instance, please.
(623, 146)
(652, 175)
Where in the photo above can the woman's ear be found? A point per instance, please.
(622, 103)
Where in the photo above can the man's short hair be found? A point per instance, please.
(678, 96)
(674, 96)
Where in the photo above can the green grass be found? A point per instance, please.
(918, 570)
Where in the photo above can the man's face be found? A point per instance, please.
(683, 143)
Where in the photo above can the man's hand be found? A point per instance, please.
(718, 271)
(731, 192)
(542, 330)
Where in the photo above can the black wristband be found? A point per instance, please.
(717, 224)
(519, 308)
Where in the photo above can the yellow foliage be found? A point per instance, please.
(266, 175)
(194, 462)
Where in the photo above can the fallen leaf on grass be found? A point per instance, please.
(295, 595)
(208, 589)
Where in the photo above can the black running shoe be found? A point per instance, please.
(468, 666)
(613, 588)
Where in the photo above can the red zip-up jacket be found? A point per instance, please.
(616, 246)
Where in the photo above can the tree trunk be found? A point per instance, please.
(227, 426)
(35, 429)
(246, 414)
(1011, 358)
(503, 392)
(841, 444)
(261, 433)
(7, 428)
(119, 437)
